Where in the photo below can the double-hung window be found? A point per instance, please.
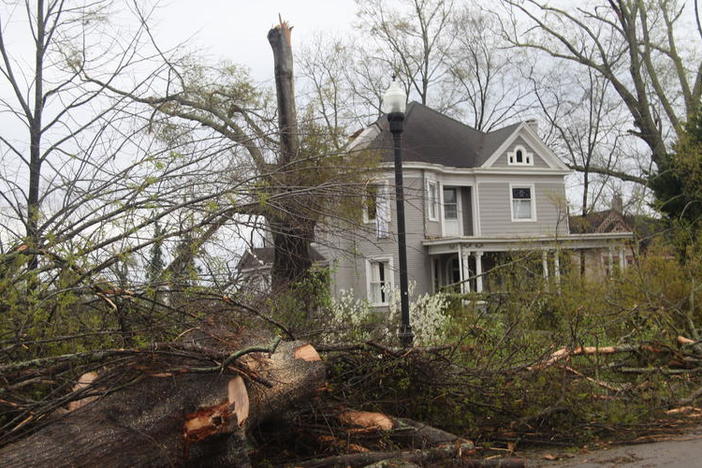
(450, 203)
(376, 208)
(379, 280)
(433, 200)
(523, 203)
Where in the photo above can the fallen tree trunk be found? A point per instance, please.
(173, 413)
(457, 453)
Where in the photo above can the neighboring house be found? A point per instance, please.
(471, 198)
(602, 262)
(255, 265)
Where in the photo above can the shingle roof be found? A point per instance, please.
(613, 221)
(260, 257)
(432, 137)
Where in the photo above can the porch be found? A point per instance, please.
(464, 264)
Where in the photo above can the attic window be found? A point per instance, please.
(520, 157)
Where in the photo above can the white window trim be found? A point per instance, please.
(533, 203)
(382, 188)
(459, 208)
(512, 157)
(437, 201)
(390, 280)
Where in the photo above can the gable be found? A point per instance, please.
(519, 142)
(614, 222)
(525, 138)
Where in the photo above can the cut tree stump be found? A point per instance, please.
(171, 416)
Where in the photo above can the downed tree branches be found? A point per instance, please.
(172, 417)
(565, 353)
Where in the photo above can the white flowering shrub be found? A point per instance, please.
(428, 316)
(352, 319)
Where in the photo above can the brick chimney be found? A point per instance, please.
(617, 202)
(533, 124)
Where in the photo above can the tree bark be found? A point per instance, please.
(170, 415)
(291, 252)
(292, 231)
(279, 38)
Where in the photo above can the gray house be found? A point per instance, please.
(470, 196)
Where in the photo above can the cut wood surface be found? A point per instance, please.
(84, 381)
(168, 418)
(367, 420)
(406, 431)
(307, 353)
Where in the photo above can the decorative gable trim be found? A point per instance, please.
(543, 151)
(614, 222)
(520, 157)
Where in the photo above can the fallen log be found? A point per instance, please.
(431, 456)
(401, 430)
(171, 416)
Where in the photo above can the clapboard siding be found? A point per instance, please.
(496, 215)
(350, 267)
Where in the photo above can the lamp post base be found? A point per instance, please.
(406, 336)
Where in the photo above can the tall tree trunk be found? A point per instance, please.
(279, 38)
(292, 231)
(586, 188)
(35, 133)
(291, 259)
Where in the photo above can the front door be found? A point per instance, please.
(452, 212)
(453, 274)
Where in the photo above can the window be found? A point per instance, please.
(379, 281)
(370, 203)
(450, 203)
(520, 157)
(433, 200)
(522, 203)
(376, 208)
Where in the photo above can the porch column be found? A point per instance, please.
(465, 271)
(557, 264)
(622, 259)
(478, 271)
(460, 267)
(544, 262)
(610, 259)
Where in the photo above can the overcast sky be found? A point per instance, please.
(235, 30)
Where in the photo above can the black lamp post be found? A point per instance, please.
(394, 104)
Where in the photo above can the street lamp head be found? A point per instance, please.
(394, 99)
